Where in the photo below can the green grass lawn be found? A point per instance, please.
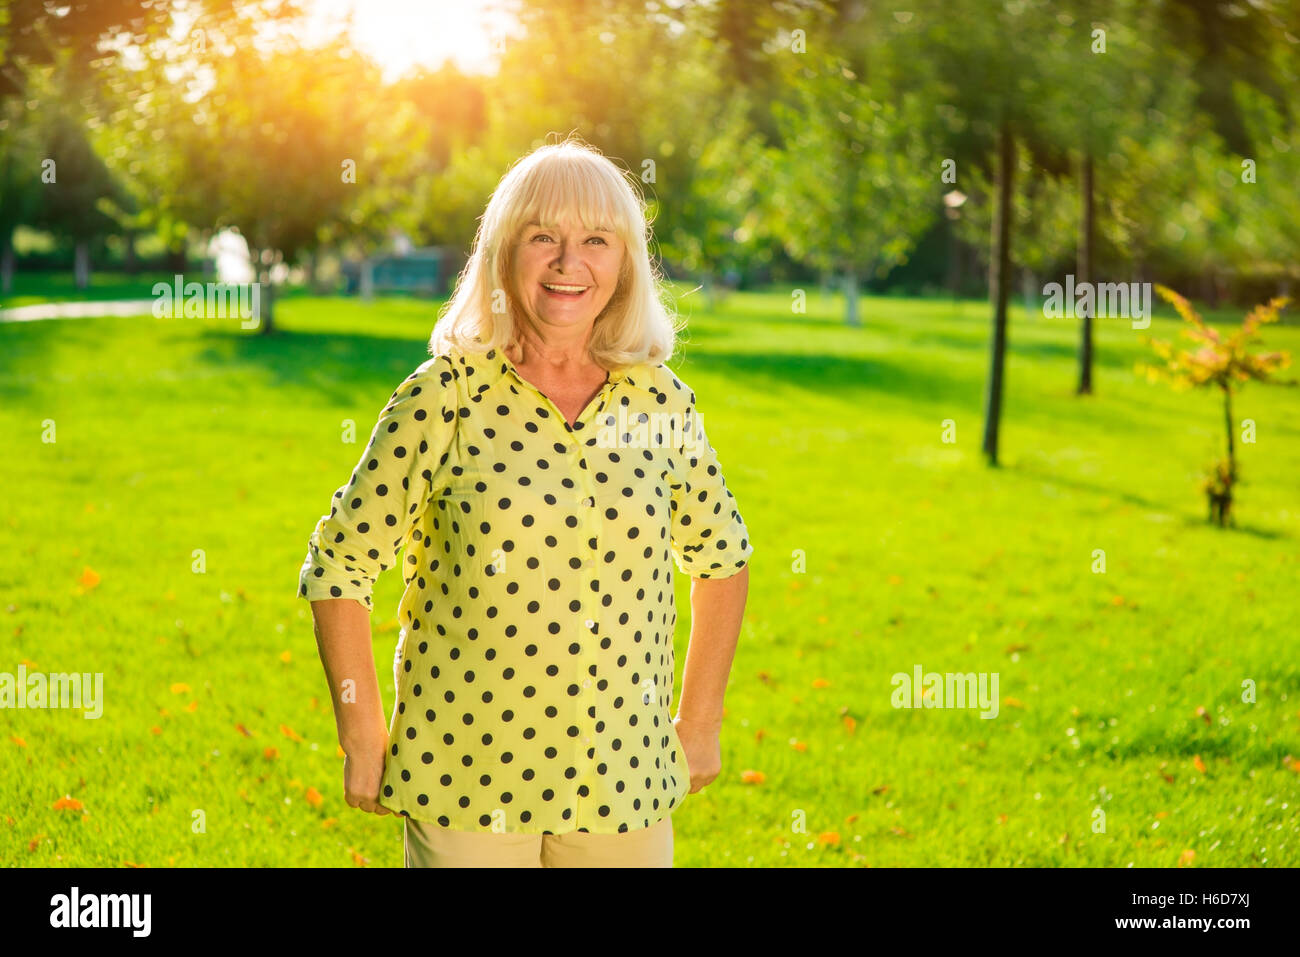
(1120, 691)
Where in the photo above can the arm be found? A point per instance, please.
(717, 607)
(343, 639)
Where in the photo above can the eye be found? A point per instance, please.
(601, 240)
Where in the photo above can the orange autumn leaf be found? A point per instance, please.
(1292, 763)
(798, 745)
(155, 730)
(752, 777)
(1185, 859)
(289, 733)
(850, 723)
(314, 797)
(271, 754)
(286, 656)
(244, 731)
(821, 683)
(134, 864)
(850, 819)
(1202, 713)
(180, 687)
(35, 843)
(67, 803)
(1003, 818)
(900, 832)
(1198, 763)
(89, 578)
(880, 790)
(17, 740)
(357, 859)
(759, 734)
(192, 707)
(28, 664)
(1117, 600)
(1161, 815)
(1013, 702)
(329, 822)
(764, 677)
(828, 837)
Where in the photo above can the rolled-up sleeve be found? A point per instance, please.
(375, 511)
(709, 538)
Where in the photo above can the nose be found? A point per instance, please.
(567, 257)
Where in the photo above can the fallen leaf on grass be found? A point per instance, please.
(329, 822)
(88, 580)
(752, 777)
(314, 798)
(357, 859)
(850, 723)
(850, 819)
(798, 745)
(17, 740)
(829, 837)
(271, 754)
(900, 832)
(1013, 702)
(289, 733)
(180, 688)
(880, 790)
(244, 731)
(192, 707)
(35, 843)
(286, 656)
(759, 734)
(1185, 859)
(1198, 763)
(155, 730)
(67, 803)
(1202, 713)
(821, 683)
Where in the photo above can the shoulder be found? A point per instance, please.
(665, 386)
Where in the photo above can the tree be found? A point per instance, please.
(1226, 364)
(855, 186)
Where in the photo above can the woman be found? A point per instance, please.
(543, 470)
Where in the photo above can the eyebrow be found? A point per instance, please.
(598, 230)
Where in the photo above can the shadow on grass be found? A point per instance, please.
(1188, 521)
(335, 367)
(829, 374)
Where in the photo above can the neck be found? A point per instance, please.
(558, 352)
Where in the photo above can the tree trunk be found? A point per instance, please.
(851, 297)
(7, 262)
(81, 263)
(267, 300)
(129, 261)
(1029, 291)
(1084, 269)
(178, 259)
(999, 275)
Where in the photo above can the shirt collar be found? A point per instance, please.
(494, 365)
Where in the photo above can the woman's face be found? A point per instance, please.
(583, 263)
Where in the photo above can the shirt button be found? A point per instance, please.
(588, 563)
(589, 623)
(587, 683)
(586, 740)
(589, 501)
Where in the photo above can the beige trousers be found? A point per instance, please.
(428, 845)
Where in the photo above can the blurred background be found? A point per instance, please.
(862, 211)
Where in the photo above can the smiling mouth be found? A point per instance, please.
(564, 290)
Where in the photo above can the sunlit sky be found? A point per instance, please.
(399, 34)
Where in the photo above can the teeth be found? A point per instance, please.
(564, 288)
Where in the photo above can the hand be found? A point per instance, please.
(702, 748)
(363, 773)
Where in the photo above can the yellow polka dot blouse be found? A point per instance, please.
(534, 667)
